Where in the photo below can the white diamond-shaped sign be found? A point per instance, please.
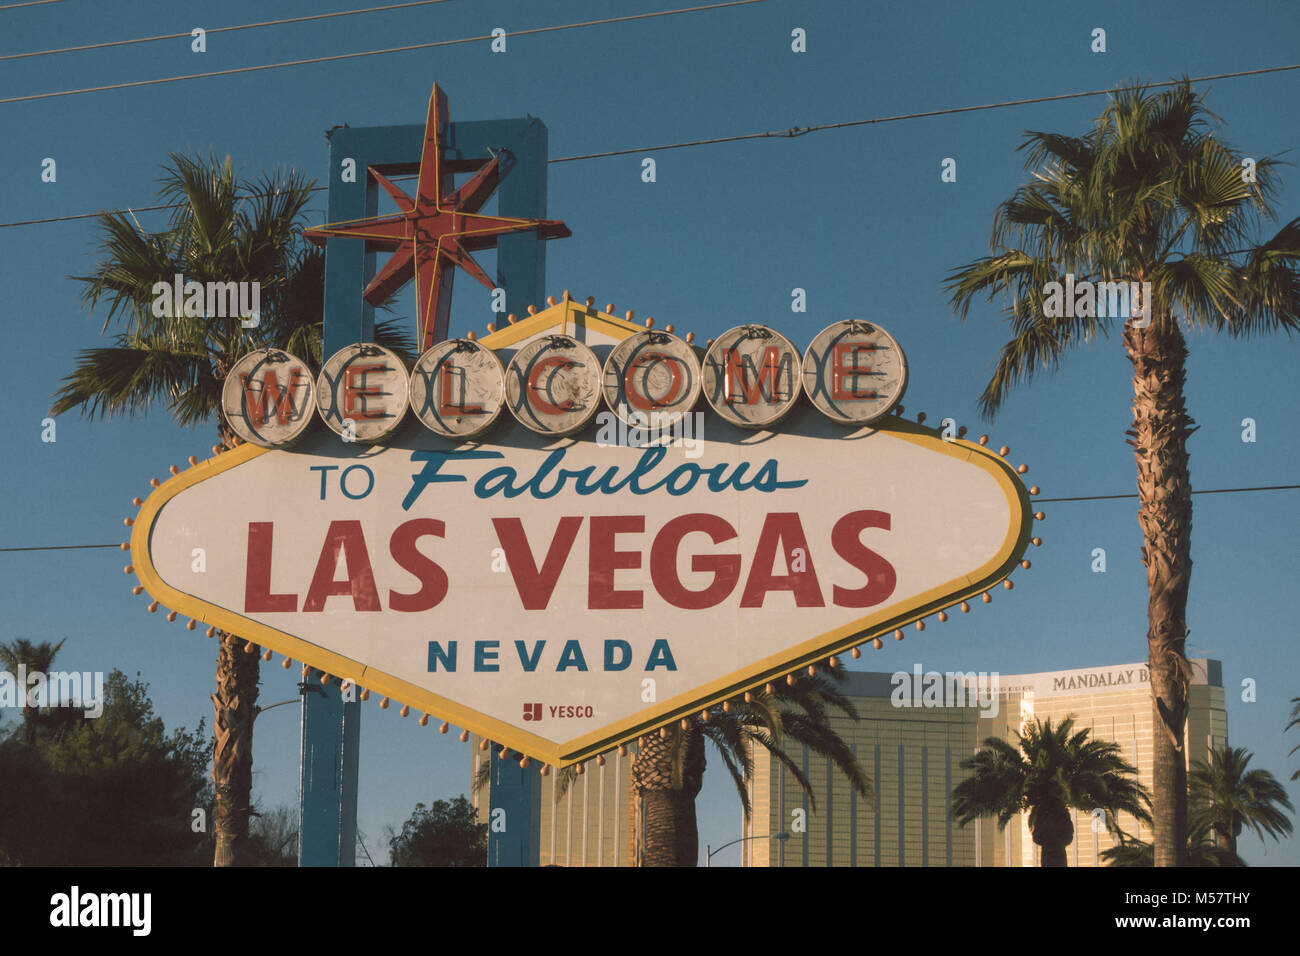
(560, 596)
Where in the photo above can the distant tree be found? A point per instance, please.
(116, 790)
(34, 658)
(273, 838)
(445, 834)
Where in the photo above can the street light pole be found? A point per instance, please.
(710, 852)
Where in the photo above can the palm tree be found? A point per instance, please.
(1226, 797)
(224, 229)
(1201, 851)
(1048, 772)
(1149, 195)
(668, 765)
(33, 658)
(668, 768)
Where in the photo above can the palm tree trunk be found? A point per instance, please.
(1053, 855)
(1159, 439)
(235, 706)
(666, 795)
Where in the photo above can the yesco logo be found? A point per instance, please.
(533, 711)
(74, 909)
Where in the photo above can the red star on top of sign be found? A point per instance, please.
(435, 231)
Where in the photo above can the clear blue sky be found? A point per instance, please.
(859, 218)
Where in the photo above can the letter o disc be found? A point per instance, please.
(268, 398)
(751, 376)
(364, 384)
(653, 373)
(458, 389)
(553, 385)
(854, 372)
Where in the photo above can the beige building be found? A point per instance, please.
(915, 730)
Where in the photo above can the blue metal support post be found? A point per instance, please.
(330, 725)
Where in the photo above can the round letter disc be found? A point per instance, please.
(458, 389)
(654, 373)
(553, 385)
(362, 392)
(854, 372)
(268, 398)
(751, 376)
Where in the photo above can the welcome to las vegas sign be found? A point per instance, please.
(561, 595)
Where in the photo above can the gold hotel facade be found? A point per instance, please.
(915, 730)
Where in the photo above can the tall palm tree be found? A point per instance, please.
(222, 228)
(34, 658)
(1226, 797)
(1049, 771)
(1149, 195)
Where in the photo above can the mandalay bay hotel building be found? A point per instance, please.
(915, 729)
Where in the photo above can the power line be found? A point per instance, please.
(801, 130)
(395, 49)
(28, 3)
(211, 30)
(773, 134)
(1206, 491)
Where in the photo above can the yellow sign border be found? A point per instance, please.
(611, 735)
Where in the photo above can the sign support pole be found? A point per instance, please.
(330, 751)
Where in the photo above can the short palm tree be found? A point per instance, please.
(668, 765)
(1226, 797)
(668, 768)
(34, 658)
(1048, 771)
(222, 229)
(1149, 195)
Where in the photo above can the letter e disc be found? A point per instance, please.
(553, 385)
(751, 376)
(268, 398)
(654, 373)
(854, 372)
(458, 389)
(367, 385)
